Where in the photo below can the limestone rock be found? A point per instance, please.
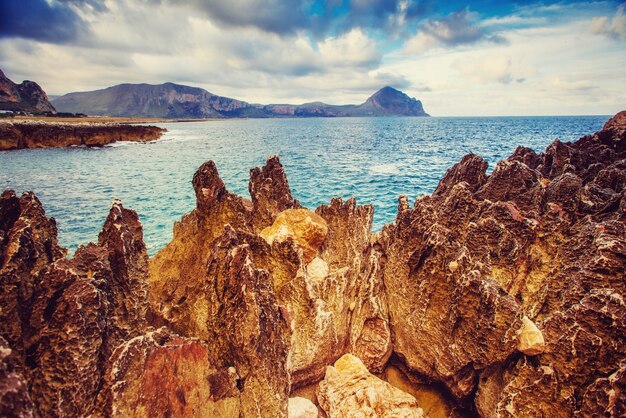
(348, 389)
(306, 228)
(531, 340)
(162, 374)
(301, 408)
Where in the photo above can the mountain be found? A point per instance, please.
(27, 96)
(171, 100)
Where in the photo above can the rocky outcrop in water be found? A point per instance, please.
(500, 294)
(18, 135)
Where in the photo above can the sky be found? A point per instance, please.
(460, 58)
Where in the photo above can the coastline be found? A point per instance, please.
(32, 133)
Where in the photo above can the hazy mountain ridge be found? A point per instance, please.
(27, 96)
(171, 100)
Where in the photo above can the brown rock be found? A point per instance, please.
(348, 389)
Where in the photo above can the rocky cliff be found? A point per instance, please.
(498, 295)
(27, 134)
(27, 96)
(171, 100)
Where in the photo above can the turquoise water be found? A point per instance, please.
(373, 159)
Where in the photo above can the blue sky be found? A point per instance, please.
(459, 58)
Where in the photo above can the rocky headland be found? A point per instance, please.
(498, 295)
(27, 96)
(18, 134)
(171, 100)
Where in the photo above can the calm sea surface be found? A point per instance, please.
(373, 159)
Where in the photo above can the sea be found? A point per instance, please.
(373, 159)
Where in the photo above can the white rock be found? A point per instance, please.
(530, 339)
(301, 408)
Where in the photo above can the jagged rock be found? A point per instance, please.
(122, 237)
(301, 408)
(14, 397)
(70, 334)
(531, 340)
(571, 283)
(348, 389)
(306, 228)
(64, 317)
(177, 272)
(270, 193)
(82, 310)
(162, 374)
(331, 295)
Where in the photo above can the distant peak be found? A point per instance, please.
(387, 91)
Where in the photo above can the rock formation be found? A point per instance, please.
(63, 318)
(27, 96)
(18, 135)
(500, 294)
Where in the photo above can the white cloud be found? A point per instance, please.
(614, 27)
(487, 69)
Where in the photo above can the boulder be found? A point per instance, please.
(306, 228)
(530, 338)
(348, 389)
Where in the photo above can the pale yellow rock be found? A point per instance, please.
(301, 408)
(306, 228)
(350, 390)
(530, 340)
(317, 269)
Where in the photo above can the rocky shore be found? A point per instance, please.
(31, 134)
(498, 295)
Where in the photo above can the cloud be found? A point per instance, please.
(614, 27)
(488, 69)
(55, 22)
(320, 18)
(458, 28)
